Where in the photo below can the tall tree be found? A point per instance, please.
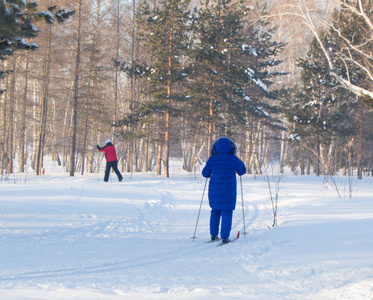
(17, 19)
(166, 25)
(350, 17)
(320, 112)
(76, 89)
(216, 28)
(44, 101)
(16, 25)
(234, 58)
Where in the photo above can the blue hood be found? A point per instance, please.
(223, 146)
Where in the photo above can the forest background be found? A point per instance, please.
(289, 81)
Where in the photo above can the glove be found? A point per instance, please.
(98, 147)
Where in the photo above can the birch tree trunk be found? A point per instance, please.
(159, 159)
(4, 128)
(10, 133)
(211, 118)
(249, 147)
(76, 91)
(282, 151)
(2, 144)
(360, 153)
(44, 103)
(146, 155)
(22, 141)
(116, 70)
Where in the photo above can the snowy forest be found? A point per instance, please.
(290, 81)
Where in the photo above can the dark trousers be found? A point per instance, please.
(226, 222)
(114, 165)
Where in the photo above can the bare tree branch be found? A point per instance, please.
(308, 14)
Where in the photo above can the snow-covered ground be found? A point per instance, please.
(77, 237)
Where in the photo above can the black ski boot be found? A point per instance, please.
(214, 237)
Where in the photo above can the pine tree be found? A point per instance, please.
(216, 30)
(163, 33)
(320, 113)
(16, 25)
(223, 82)
(234, 59)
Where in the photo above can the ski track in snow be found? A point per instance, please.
(63, 238)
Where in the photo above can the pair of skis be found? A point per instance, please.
(221, 244)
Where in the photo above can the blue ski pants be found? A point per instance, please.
(226, 222)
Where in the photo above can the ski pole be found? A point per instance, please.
(199, 211)
(243, 210)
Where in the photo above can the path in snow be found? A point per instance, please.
(66, 238)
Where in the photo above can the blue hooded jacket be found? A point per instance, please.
(222, 168)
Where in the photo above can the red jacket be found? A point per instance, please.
(110, 152)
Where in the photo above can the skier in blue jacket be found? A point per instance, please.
(221, 167)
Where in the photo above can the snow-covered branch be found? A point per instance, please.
(306, 13)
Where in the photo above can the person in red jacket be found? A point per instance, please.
(111, 160)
